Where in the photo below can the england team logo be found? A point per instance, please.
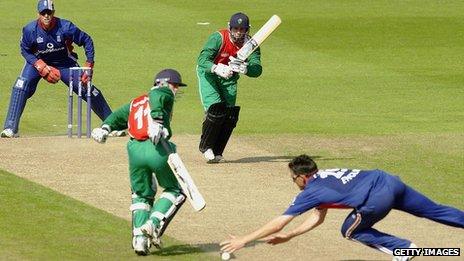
(40, 39)
(58, 38)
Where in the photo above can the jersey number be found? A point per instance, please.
(339, 174)
(140, 114)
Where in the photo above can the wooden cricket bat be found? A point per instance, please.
(183, 177)
(259, 37)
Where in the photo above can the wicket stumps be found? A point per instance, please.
(75, 74)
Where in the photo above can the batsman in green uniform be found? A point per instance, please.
(218, 71)
(147, 119)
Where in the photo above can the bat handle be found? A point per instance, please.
(165, 145)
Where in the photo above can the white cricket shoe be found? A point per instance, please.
(217, 159)
(117, 133)
(405, 258)
(8, 133)
(209, 155)
(149, 230)
(141, 245)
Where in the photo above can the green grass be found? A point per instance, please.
(333, 67)
(335, 70)
(37, 223)
(430, 163)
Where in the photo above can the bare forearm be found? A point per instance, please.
(271, 227)
(315, 219)
(264, 231)
(306, 226)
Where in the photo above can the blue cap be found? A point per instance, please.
(45, 5)
(170, 76)
(239, 20)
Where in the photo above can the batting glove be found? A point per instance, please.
(157, 131)
(100, 134)
(222, 70)
(237, 65)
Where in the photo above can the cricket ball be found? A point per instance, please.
(225, 256)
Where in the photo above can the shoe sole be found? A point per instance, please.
(141, 253)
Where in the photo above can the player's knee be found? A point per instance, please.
(139, 198)
(95, 91)
(216, 112)
(174, 195)
(232, 115)
(343, 231)
(21, 90)
(350, 225)
(21, 84)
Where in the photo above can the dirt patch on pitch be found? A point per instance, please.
(241, 194)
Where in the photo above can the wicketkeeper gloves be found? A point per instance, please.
(49, 73)
(86, 75)
(53, 76)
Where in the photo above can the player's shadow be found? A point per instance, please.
(185, 249)
(259, 159)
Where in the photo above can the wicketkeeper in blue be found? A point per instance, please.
(47, 47)
(370, 193)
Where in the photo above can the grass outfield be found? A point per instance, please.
(37, 223)
(337, 67)
(384, 74)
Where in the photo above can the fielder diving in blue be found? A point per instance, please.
(370, 193)
(47, 47)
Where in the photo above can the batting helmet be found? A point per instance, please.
(239, 20)
(170, 76)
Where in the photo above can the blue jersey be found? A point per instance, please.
(55, 46)
(336, 188)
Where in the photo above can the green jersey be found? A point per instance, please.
(161, 101)
(218, 48)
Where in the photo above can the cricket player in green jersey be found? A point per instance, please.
(148, 119)
(218, 71)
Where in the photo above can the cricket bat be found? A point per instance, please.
(258, 38)
(183, 177)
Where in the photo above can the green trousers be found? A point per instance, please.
(146, 159)
(214, 89)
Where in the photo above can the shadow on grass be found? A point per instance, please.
(185, 249)
(259, 159)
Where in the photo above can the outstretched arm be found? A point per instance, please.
(115, 121)
(316, 217)
(273, 226)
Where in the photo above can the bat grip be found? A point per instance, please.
(165, 145)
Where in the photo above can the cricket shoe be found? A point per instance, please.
(217, 159)
(149, 230)
(141, 245)
(405, 258)
(117, 133)
(8, 133)
(209, 156)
